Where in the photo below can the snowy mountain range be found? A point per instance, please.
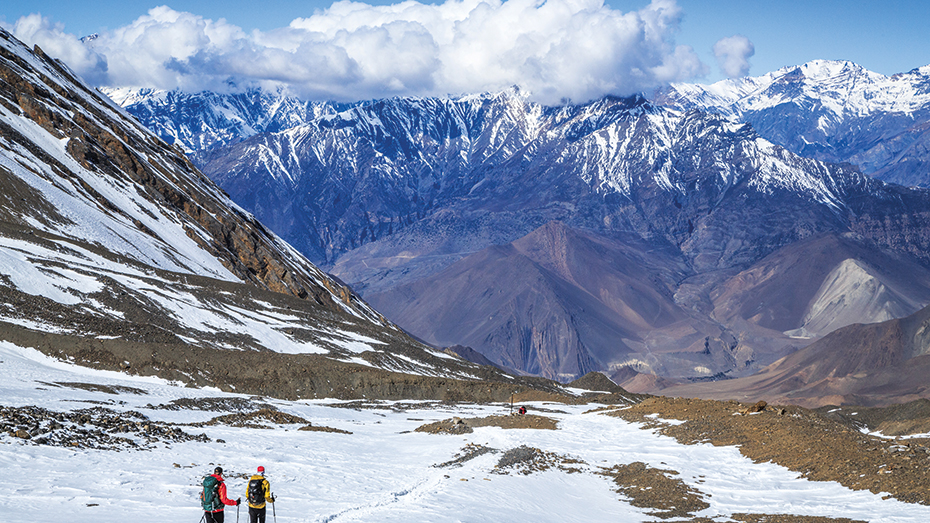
(615, 235)
(834, 111)
(202, 121)
(117, 253)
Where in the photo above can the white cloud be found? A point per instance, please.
(34, 29)
(555, 49)
(733, 55)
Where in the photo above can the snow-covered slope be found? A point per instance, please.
(831, 110)
(206, 120)
(377, 469)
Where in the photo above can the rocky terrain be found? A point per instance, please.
(814, 444)
(563, 447)
(829, 444)
(824, 445)
(96, 428)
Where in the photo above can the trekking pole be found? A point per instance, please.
(237, 513)
(272, 509)
(203, 517)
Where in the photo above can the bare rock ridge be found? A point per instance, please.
(871, 365)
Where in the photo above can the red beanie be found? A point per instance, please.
(261, 469)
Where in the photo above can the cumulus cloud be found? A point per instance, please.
(555, 49)
(733, 54)
(36, 30)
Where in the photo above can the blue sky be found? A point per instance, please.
(885, 37)
(772, 34)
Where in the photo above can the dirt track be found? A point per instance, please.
(801, 440)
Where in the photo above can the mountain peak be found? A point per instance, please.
(824, 69)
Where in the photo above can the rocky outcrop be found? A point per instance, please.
(596, 381)
(96, 428)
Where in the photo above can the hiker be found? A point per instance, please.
(213, 497)
(522, 410)
(257, 493)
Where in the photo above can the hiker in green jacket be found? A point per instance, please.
(257, 493)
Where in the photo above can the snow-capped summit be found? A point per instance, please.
(201, 121)
(830, 110)
(841, 87)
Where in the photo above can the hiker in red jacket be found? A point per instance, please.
(213, 497)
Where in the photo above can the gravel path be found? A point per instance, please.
(802, 440)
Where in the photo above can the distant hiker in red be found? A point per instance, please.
(213, 497)
(257, 493)
(522, 410)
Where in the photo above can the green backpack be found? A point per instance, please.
(210, 497)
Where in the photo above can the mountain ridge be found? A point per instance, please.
(877, 364)
(834, 111)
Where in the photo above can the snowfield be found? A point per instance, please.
(383, 471)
